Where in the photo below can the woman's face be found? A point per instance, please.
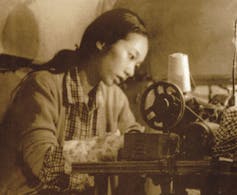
(120, 60)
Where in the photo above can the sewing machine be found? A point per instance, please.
(181, 132)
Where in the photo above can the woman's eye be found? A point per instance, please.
(131, 56)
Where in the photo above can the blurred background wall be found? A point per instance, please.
(37, 29)
(203, 29)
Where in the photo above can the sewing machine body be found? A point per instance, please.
(146, 146)
(182, 133)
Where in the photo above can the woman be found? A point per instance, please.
(53, 109)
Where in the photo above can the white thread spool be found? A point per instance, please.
(178, 71)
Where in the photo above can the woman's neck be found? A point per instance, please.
(88, 78)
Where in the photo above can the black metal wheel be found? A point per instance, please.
(162, 105)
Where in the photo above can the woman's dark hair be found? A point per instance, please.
(110, 27)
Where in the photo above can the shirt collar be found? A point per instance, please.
(73, 87)
(74, 90)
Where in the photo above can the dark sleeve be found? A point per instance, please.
(226, 134)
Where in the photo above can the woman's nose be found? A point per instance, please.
(130, 70)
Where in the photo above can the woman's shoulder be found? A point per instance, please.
(45, 77)
(43, 81)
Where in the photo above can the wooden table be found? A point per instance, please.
(179, 170)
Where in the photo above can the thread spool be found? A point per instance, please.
(178, 71)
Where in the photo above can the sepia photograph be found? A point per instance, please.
(118, 97)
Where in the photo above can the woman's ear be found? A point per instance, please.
(99, 45)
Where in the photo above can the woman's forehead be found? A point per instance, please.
(138, 42)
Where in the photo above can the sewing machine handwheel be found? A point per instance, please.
(162, 105)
